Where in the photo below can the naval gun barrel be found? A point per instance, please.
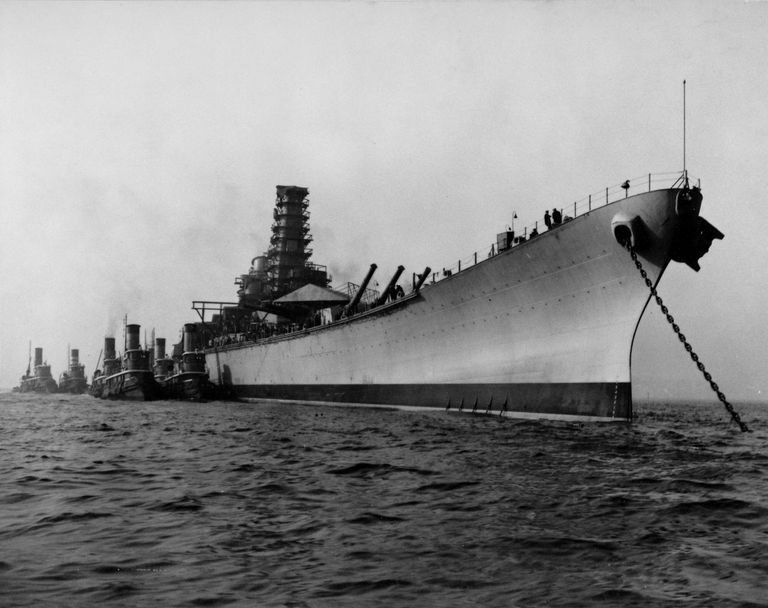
(422, 278)
(385, 294)
(358, 296)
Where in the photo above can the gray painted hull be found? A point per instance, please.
(545, 328)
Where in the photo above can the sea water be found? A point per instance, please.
(236, 504)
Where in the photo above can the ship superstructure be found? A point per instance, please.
(73, 380)
(285, 266)
(280, 271)
(162, 366)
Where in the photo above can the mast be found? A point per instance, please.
(685, 170)
(97, 362)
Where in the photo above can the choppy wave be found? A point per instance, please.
(227, 504)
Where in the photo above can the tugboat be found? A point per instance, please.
(73, 380)
(131, 380)
(111, 366)
(41, 381)
(190, 381)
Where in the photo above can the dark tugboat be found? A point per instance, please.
(189, 380)
(73, 380)
(111, 366)
(41, 381)
(131, 380)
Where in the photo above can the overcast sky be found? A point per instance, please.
(141, 142)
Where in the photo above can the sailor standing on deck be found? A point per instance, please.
(547, 219)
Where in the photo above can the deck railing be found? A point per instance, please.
(601, 198)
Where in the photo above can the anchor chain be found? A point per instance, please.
(681, 336)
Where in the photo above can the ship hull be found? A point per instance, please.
(189, 386)
(75, 386)
(548, 400)
(97, 387)
(134, 385)
(544, 328)
(38, 385)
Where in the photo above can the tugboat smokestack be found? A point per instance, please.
(132, 334)
(159, 348)
(190, 331)
(38, 356)
(74, 357)
(109, 348)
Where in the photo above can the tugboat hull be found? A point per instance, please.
(131, 385)
(189, 386)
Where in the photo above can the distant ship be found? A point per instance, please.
(131, 378)
(73, 380)
(541, 326)
(38, 379)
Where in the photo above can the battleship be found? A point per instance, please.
(39, 379)
(541, 326)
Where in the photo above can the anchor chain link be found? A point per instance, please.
(681, 336)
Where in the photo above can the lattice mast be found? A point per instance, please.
(288, 266)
